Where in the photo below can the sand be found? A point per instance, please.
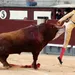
(49, 65)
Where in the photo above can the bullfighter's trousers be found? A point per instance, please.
(68, 30)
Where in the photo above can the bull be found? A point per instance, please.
(29, 39)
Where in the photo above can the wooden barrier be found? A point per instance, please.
(10, 25)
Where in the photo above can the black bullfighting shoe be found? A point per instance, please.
(60, 61)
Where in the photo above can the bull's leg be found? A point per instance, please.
(4, 62)
(35, 58)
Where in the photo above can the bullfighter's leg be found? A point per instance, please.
(4, 62)
(68, 31)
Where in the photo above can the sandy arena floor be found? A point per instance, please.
(49, 65)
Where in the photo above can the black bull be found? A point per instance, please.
(29, 39)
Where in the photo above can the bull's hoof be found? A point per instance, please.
(7, 67)
(38, 65)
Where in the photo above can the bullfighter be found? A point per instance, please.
(68, 30)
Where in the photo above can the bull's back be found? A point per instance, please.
(15, 36)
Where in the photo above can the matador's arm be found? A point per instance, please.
(60, 21)
(67, 16)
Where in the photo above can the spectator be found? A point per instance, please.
(58, 14)
(25, 18)
(69, 26)
(31, 3)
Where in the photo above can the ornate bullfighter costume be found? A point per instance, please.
(68, 30)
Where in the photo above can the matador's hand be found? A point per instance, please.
(58, 23)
